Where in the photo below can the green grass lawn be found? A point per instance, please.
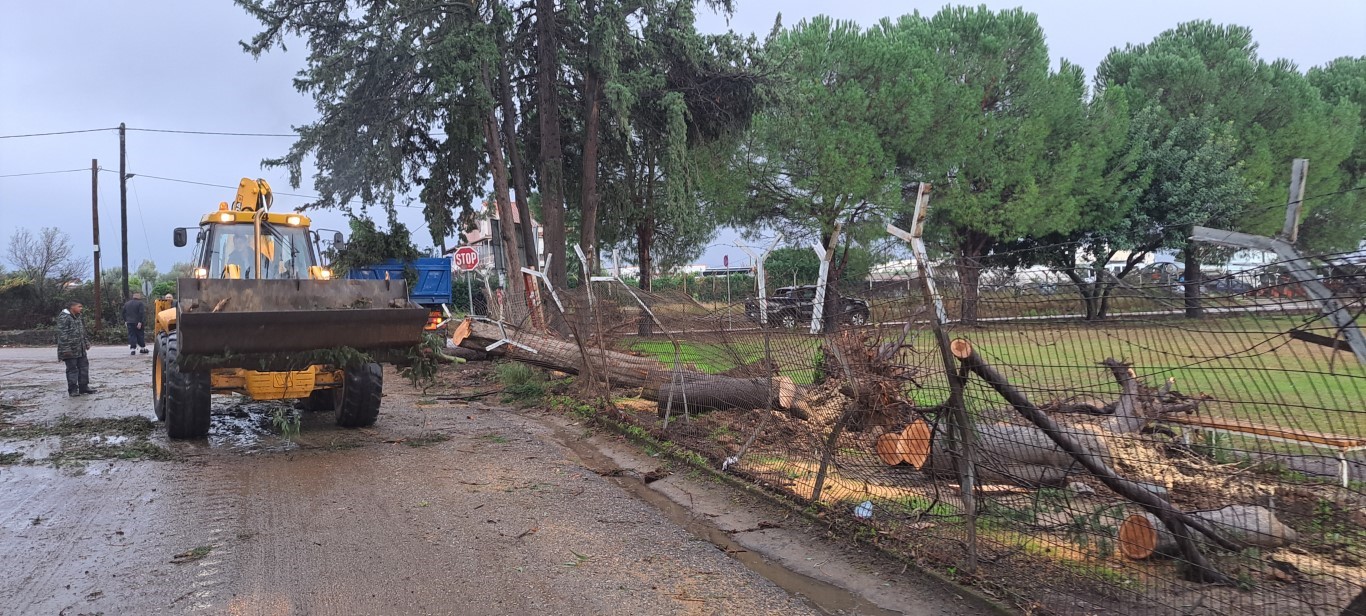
(796, 356)
(1249, 365)
(1252, 369)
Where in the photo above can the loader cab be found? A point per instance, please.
(227, 246)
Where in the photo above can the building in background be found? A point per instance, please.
(486, 238)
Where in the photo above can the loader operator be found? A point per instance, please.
(238, 253)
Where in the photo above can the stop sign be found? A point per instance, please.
(466, 258)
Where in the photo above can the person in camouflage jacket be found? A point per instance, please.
(72, 344)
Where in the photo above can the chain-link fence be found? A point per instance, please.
(1136, 461)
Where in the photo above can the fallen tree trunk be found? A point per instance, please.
(555, 354)
(1142, 535)
(656, 379)
(468, 354)
(699, 391)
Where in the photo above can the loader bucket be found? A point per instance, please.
(234, 317)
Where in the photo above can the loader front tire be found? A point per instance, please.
(362, 389)
(158, 383)
(184, 395)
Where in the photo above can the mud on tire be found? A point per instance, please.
(158, 383)
(361, 392)
(184, 395)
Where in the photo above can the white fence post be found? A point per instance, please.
(825, 254)
(761, 277)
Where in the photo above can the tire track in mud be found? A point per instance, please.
(217, 506)
(278, 522)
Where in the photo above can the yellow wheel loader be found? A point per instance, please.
(262, 316)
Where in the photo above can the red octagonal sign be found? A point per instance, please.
(466, 258)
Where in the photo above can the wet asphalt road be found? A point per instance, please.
(440, 508)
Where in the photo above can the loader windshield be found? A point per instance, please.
(285, 252)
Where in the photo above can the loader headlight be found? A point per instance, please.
(225, 217)
(293, 220)
(200, 272)
(325, 274)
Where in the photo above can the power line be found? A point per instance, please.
(1333, 194)
(206, 132)
(19, 175)
(152, 130)
(180, 181)
(61, 132)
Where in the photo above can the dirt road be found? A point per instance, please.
(441, 508)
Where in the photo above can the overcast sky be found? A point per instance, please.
(172, 64)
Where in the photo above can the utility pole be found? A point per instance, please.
(123, 204)
(95, 226)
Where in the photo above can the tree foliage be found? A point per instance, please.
(672, 97)
(628, 129)
(392, 83)
(1271, 112)
(369, 246)
(1338, 221)
(1005, 144)
(823, 152)
(788, 266)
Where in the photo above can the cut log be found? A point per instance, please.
(893, 449)
(461, 332)
(697, 391)
(1142, 535)
(1006, 453)
(1024, 475)
(919, 440)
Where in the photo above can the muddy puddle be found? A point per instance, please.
(249, 426)
(36, 449)
(73, 441)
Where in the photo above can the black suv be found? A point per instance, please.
(790, 306)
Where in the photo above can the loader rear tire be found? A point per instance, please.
(361, 392)
(184, 395)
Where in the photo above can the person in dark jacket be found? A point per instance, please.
(135, 315)
(72, 344)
